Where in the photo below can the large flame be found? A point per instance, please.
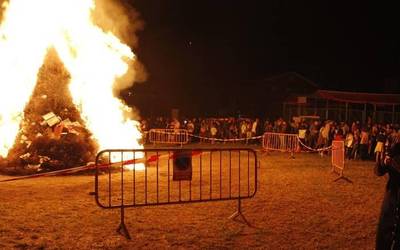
(94, 59)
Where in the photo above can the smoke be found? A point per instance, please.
(121, 19)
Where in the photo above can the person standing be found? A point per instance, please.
(381, 139)
(190, 129)
(254, 128)
(349, 143)
(364, 140)
(213, 132)
(388, 229)
(302, 134)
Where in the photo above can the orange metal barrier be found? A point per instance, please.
(281, 142)
(169, 136)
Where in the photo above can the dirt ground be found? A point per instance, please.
(297, 206)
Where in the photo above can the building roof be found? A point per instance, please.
(358, 97)
(289, 82)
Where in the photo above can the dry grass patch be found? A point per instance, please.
(298, 206)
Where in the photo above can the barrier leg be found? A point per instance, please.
(292, 155)
(239, 214)
(122, 229)
(342, 177)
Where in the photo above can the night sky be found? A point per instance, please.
(209, 55)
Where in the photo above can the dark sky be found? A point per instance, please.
(221, 47)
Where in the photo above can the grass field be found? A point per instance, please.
(297, 206)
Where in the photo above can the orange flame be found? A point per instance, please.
(94, 59)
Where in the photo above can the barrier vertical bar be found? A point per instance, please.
(220, 174)
(201, 174)
(190, 187)
(230, 173)
(134, 178)
(248, 173)
(109, 178)
(180, 190)
(122, 229)
(169, 188)
(157, 176)
(190, 190)
(211, 174)
(239, 173)
(145, 180)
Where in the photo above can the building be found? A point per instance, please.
(344, 106)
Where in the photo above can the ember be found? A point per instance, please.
(71, 112)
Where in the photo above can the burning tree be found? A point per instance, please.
(59, 71)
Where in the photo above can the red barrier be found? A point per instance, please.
(338, 159)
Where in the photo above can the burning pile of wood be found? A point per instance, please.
(52, 135)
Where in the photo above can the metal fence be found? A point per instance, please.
(169, 136)
(153, 177)
(338, 159)
(281, 142)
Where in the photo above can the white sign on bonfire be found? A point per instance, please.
(95, 59)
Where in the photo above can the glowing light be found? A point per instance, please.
(93, 57)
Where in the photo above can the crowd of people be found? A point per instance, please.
(365, 141)
(362, 141)
(209, 129)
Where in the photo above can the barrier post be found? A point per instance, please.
(292, 155)
(122, 229)
(239, 213)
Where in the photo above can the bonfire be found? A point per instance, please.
(60, 74)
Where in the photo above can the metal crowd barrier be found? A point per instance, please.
(338, 159)
(169, 136)
(153, 177)
(281, 142)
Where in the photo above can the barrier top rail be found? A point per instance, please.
(276, 133)
(168, 130)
